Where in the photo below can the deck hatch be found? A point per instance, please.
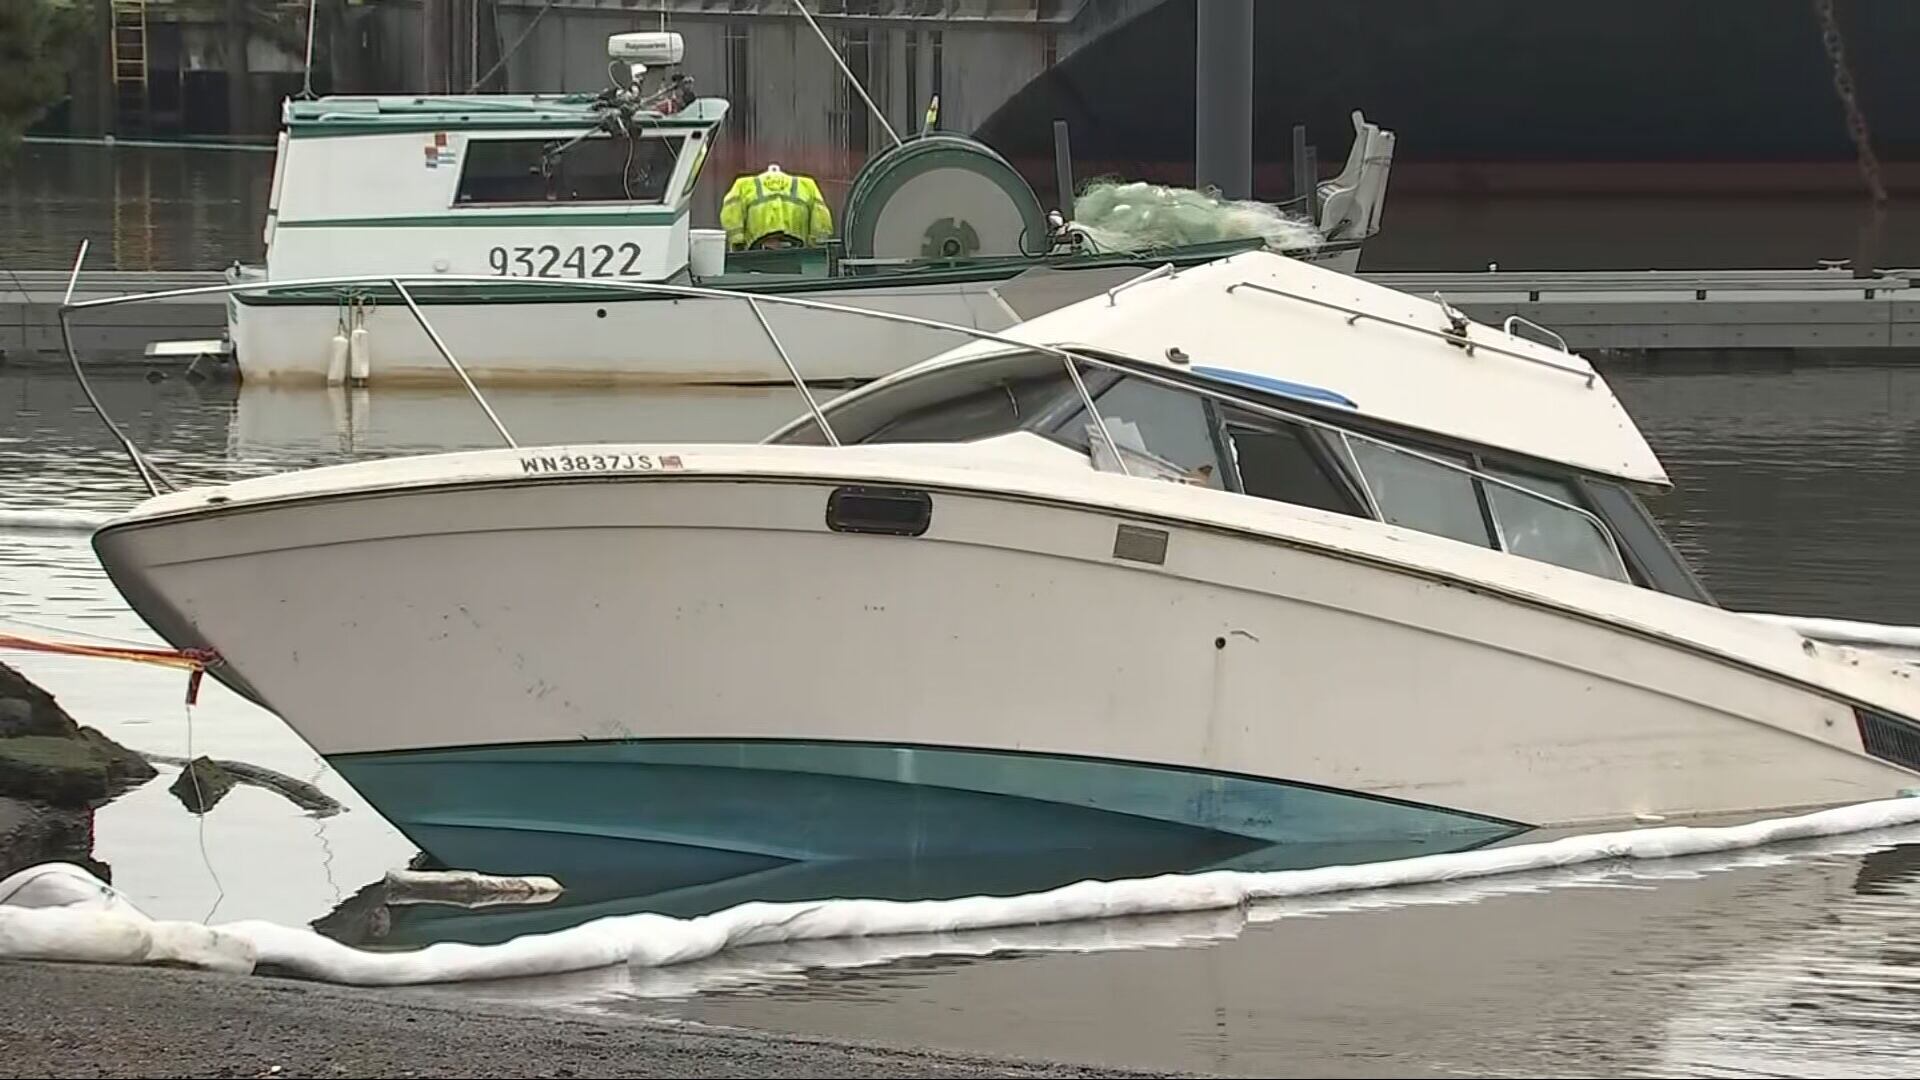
(887, 511)
(1889, 738)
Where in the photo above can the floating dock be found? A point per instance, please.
(1625, 311)
(1690, 309)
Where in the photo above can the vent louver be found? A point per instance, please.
(1889, 738)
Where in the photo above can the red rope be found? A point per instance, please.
(195, 661)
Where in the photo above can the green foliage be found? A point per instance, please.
(40, 40)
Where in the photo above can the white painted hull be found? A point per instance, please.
(612, 608)
(614, 336)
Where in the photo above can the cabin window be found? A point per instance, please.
(1655, 560)
(1541, 530)
(971, 401)
(601, 168)
(1421, 494)
(1159, 432)
(1278, 460)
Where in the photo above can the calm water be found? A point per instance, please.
(1795, 491)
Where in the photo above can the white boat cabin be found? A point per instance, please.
(1263, 376)
(549, 186)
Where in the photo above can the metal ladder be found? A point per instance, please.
(129, 43)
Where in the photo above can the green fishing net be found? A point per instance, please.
(1139, 216)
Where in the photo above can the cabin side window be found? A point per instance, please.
(1157, 432)
(1425, 495)
(969, 401)
(1653, 556)
(597, 169)
(1541, 530)
(1275, 459)
(1421, 494)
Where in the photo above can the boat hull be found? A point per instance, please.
(698, 821)
(694, 674)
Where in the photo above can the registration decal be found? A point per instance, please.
(596, 463)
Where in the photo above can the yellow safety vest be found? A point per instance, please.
(757, 207)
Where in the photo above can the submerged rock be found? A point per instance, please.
(202, 784)
(298, 792)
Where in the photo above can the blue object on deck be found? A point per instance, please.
(1278, 386)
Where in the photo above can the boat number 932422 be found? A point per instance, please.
(579, 261)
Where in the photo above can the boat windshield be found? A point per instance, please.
(1182, 435)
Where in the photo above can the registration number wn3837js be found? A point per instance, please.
(566, 463)
(579, 261)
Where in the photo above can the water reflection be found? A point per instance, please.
(142, 208)
(1791, 960)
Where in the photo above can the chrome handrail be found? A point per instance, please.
(147, 470)
(799, 384)
(1355, 315)
(1070, 358)
(457, 369)
(648, 287)
(1521, 320)
(1157, 272)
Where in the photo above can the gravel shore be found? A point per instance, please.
(79, 1020)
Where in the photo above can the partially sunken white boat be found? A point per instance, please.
(503, 196)
(1331, 574)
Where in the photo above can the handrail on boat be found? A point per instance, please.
(799, 384)
(1355, 315)
(148, 472)
(434, 336)
(1157, 272)
(1521, 320)
(1071, 359)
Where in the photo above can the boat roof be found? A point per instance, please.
(1274, 324)
(375, 113)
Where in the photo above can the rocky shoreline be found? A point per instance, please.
(56, 773)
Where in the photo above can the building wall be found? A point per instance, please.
(790, 102)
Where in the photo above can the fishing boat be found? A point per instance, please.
(1253, 564)
(589, 187)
